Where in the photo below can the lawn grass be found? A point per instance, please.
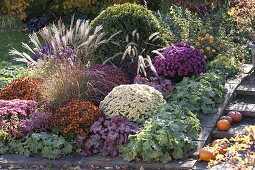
(9, 40)
(10, 68)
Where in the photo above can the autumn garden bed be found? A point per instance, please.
(132, 88)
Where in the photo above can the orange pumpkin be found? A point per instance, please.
(221, 144)
(223, 125)
(205, 154)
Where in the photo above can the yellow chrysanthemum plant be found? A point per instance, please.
(208, 45)
(136, 102)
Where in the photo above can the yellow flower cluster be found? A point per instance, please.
(18, 8)
(135, 101)
(207, 45)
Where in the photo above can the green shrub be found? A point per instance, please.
(181, 23)
(168, 135)
(126, 18)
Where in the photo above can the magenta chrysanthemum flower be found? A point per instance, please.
(180, 60)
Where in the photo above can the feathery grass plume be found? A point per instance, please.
(80, 36)
(65, 83)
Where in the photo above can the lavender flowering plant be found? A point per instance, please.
(180, 60)
(20, 117)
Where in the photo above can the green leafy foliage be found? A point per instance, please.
(126, 18)
(181, 23)
(168, 135)
(3, 148)
(50, 146)
(201, 93)
(218, 21)
(225, 65)
(8, 72)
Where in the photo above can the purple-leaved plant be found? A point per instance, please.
(180, 60)
(107, 135)
(103, 78)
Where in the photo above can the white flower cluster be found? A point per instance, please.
(135, 101)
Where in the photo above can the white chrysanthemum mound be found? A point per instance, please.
(135, 101)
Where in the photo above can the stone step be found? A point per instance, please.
(234, 129)
(243, 104)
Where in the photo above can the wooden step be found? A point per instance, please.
(245, 105)
(246, 89)
(247, 68)
(234, 129)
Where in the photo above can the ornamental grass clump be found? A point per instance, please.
(62, 83)
(137, 102)
(20, 117)
(75, 118)
(25, 88)
(107, 135)
(103, 78)
(80, 36)
(180, 60)
(168, 135)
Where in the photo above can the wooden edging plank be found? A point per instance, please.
(96, 161)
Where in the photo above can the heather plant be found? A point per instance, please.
(137, 102)
(102, 79)
(180, 60)
(50, 146)
(75, 118)
(80, 36)
(25, 88)
(107, 135)
(126, 18)
(168, 135)
(20, 118)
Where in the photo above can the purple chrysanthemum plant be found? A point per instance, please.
(180, 60)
